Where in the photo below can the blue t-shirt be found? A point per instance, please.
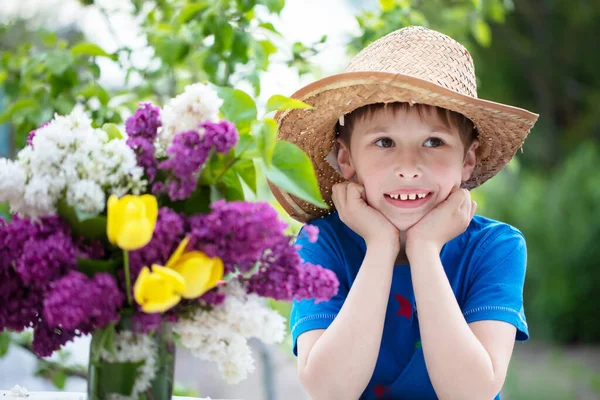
(485, 266)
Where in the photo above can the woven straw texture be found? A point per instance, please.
(414, 65)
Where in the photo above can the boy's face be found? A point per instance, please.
(407, 156)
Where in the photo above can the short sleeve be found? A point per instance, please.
(307, 315)
(496, 282)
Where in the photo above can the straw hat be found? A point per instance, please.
(414, 65)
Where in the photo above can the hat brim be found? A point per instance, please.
(501, 128)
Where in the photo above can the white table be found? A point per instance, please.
(19, 393)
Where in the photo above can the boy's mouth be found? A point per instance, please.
(408, 199)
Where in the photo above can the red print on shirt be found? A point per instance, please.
(380, 391)
(405, 306)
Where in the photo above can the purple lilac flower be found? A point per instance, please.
(144, 151)
(21, 303)
(142, 128)
(40, 250)
(44, 260)
(186, 155)
(222, 135)
(144, 123)
(282, 276)
(78, 302)
(92, 250)
(33, 133)
(46, 339)
(310, 231)
(167, 235)
(237, 232)
(213, 297)
(145, 323)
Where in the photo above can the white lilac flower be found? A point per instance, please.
(222, 334)
(198, 103)
(68, 156)
(86, 196)
(12, 181)
(131, 347)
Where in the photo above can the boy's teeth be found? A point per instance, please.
(412, 196)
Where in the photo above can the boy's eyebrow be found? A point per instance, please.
(376, 129)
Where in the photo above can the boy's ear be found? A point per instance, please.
(344, 160)
(470, 160)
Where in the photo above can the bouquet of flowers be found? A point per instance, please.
(147, 240)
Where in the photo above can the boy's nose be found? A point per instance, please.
(408, 175)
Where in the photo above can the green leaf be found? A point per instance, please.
(58, 61)
(386, 5)
(482, 33)
(233, 187)
(262, 49)
(246, 5)
(95, 90)
(278, 102)
(48, 38)
(223, 37)
(211, 64)
(99, 338)
(198, 202)
(270, 27)
(216, 194)
(92, 267)
(19, 105)
(88, 226)
(292, 170)
(118, 377)
(172, 49)
(247, 172)
(274, 6)
(113, 131)
(239, 47)
(190, 11)
(59, 379)
(90, 49)
(109, 342)
(265, 137)
(238, 107)
(4, 343)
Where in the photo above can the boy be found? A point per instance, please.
(430, 298)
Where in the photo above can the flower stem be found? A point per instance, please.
(127, 277)
(232, 162)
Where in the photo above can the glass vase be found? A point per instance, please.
(128, 365)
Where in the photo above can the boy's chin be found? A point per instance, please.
(404, 222)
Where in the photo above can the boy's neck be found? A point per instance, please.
(401, 258)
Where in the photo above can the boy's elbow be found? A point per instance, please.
(322, 387)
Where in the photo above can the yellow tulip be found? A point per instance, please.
(159, 290)
(200, 272)
(131, 220)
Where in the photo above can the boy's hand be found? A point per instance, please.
(447, 220)
(370, 224)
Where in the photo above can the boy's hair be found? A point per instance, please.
(466, 128)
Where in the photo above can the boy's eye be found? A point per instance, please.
(384, 142)
(433, 142)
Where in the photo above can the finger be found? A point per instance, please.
(338, 194)
(356, 192)
(458, 198)
(473, 208)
